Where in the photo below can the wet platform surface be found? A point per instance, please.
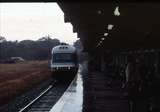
(96, 93)
(72, 99)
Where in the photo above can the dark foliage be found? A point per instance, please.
(27, 49)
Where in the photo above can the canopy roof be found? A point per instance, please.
(132, 24)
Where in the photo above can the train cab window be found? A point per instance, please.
(63, 57)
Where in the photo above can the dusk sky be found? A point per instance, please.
(20, 21)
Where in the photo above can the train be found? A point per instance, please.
(64, 61)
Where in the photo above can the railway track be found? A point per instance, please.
(45, 101)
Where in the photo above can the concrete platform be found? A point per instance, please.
(94, 92)
(72, 99)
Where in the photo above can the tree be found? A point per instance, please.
(2, 39)
(28, 49)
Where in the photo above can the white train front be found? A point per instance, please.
(64, 59)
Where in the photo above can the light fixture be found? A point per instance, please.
(110, 26)
(116, 11)
(99, 12)
(102, 38)
(105, 34)
(98, 44)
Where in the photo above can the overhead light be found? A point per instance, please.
(102, 38)
(99, 12)
(110, 26)
(98, 44)
(116, 11)
(105, 34)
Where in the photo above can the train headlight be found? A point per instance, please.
(69, 68)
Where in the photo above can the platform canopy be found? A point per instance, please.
(114, 25)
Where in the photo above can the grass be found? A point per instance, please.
(15, 79)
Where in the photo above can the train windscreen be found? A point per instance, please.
(64, 57)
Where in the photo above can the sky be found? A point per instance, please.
(21, 21)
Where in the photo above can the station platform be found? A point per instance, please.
(103, 94)
(72, 99)
(92, 91)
